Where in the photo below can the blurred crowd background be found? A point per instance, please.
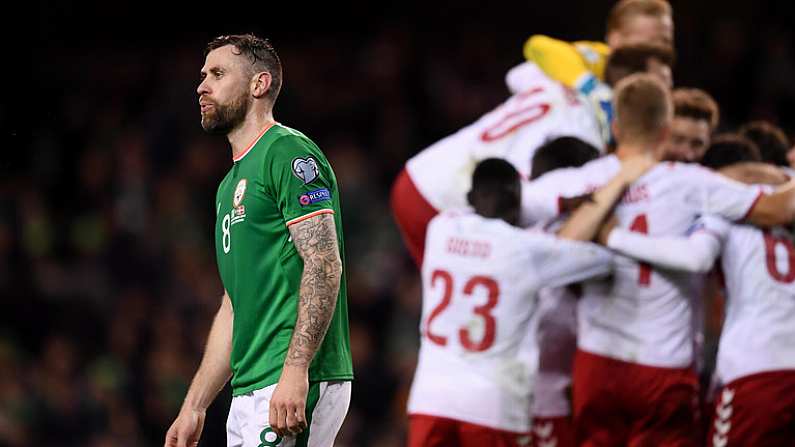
(107, 271)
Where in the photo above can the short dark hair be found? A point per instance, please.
(631, 59)
(562, 152)
(259, 51)
(772, 142)
(728, 149)
(696, 104)
(497, 180)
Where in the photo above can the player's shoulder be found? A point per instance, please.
(467, 220)
(609, 160)
(680, 173)
(290, 143)
(678, 168)
(452, 215)
(283, 135)
(448, 222)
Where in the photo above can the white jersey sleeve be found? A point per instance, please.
(559, 262)
(540, 201)
(696, 253)
(523, 77)
(720, 195)
(542, 197)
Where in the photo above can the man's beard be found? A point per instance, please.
(224, 118)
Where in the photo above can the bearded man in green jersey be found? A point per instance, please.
(281, 332)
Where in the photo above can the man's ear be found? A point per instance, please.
(261, 84)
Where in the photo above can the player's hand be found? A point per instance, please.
(186, 429)
(604, 231)
(634, 167)
(288, 403)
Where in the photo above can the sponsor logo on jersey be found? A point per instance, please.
(305, 169)
(240, 192)
(318, 195)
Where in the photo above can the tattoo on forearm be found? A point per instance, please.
(316, 242)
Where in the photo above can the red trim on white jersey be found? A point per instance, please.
(753, 204)
(253, 143)
(310, 215)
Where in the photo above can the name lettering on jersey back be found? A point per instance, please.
(469, 248)
(636, 193)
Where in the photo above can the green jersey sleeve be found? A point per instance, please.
(303, 184)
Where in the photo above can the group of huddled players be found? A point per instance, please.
(567, 242)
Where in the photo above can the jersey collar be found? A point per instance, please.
(253, 143)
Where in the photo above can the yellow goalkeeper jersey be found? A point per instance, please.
(573, 64)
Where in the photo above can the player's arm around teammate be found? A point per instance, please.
(586, 221)
(214, 371)
(316, 241)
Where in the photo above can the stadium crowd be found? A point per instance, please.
(108, 275)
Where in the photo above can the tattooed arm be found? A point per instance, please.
(316, 242)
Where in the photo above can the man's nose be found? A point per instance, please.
(202, 88)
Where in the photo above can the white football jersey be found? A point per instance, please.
(542, 111)
(480, 278)
(644, 315)
(759, 328)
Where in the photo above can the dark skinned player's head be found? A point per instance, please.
(496, 190)
(562, 152)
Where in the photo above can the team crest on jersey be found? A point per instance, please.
(305, 169)
(240, 192)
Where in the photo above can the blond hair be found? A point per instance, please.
(623, 10)
(643, 108)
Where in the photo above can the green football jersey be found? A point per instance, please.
(280, 180)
